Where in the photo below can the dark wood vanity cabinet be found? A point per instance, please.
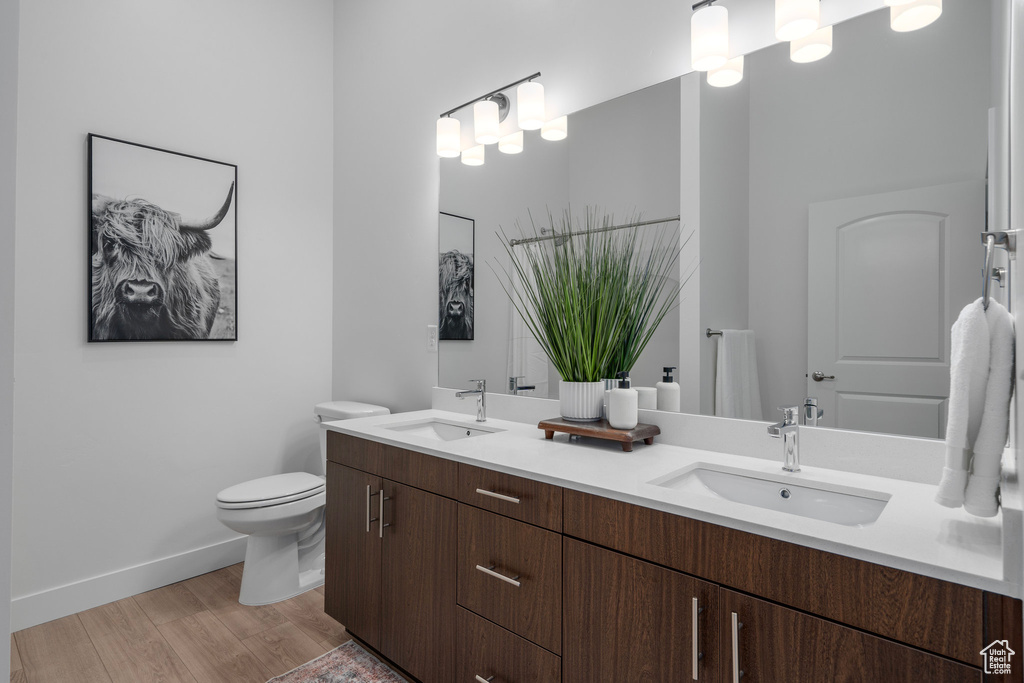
(481, 574)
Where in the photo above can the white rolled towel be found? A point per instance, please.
(968, 380)
(983, 483)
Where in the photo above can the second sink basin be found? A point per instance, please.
(817, 500)
(441, 430)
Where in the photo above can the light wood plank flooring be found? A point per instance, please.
(194, 631)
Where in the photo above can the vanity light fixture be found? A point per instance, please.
(488, 112)
(555, 129)
(511, 143)
(910, 16)
(485, 122)
(474, 156)
(897, 3)
(709, 36)
(795, 19)
(449, 137)
(728, 74)
(813, 47)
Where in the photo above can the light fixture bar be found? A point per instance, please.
(493, 92)
(702, 3)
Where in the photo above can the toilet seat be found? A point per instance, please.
(268, 491)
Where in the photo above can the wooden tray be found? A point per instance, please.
(601, 430)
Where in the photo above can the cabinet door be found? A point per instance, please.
(629, 620)
(352, 572)
(418, 574)
(772, 643)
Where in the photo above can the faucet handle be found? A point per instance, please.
(481, 384)
(791, 414)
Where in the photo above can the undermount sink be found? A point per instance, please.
(442, 430)
(817, 500)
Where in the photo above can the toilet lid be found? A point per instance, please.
(274, 490)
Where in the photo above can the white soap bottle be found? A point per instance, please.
(668, 392)
(622, 404)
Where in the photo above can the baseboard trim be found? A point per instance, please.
(54, 603)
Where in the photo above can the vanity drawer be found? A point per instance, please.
(524, 499)
(486, 650)
(420, 470)
(528, 600)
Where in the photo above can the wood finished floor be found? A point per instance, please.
(194, 631)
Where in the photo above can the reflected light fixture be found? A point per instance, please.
(813, 47)
(910, 16)
(795, 19)
(709, 36)
(485, 122)
(897, 3)
(530, 105)
(555, 129)
(728, 74)
(474, 156)
(449, 137)
(511, 143)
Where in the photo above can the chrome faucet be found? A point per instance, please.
(515, 388)
(481, 402)
(788, 431)
(811, 413)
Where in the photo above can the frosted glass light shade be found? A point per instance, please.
(897, 3)
(914, 15)
(555, 129)
(530, 105)
(709, 38)
(728, 74)
(474, 156)
(795, 19)
(449, 137)
(511, 143)
(813, 47)
(485, 122)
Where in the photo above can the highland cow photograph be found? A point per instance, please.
(456, 235)
(162, 245)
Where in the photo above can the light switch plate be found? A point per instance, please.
(432, 338)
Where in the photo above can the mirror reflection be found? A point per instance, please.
(837, 206)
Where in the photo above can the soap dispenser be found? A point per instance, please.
(622, 404)
(668, 392)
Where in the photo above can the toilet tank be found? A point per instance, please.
(341, 410)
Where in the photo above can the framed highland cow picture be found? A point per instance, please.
(456, 244)
(162, 246)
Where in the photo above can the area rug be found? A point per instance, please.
(346, 663)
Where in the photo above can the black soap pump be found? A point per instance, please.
(622, 404)
(668, 392)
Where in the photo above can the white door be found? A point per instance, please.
(887, 276)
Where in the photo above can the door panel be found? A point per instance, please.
(352, 585)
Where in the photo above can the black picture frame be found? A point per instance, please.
(163, 236)
(456, 242)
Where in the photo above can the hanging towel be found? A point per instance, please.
(737, 392)
(968, 379)
(980, 498)
(526, 357)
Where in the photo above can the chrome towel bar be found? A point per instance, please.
(1007, 240)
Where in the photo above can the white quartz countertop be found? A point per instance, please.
(913, 533)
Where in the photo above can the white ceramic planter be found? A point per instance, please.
(580, 401)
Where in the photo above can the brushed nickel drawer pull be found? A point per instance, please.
(381, 525)
(697, 654)
(490, 572)
(736, 626)
(368, 518)
(492, 494)
(481, 679)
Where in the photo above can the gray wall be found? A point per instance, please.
(8, 149)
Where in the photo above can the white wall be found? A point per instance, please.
(933, 131)
(121, 448)
(8, 149)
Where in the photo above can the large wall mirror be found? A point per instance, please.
(840, 205)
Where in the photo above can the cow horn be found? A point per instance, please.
(214, 220)
(99, 203)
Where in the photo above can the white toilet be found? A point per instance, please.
(283, 515)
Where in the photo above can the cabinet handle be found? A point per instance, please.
(381, 524)
(490, 572)
(697, 654)
(492, 494)
(736, 626)
(481, 679)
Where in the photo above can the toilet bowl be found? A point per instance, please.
(283, 516)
